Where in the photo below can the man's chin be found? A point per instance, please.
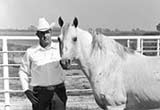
(46, 42)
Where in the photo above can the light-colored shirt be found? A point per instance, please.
(43, 66)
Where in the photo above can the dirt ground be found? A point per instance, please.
(73, 103)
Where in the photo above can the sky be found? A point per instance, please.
(112, 14)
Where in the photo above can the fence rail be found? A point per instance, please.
(138, 43)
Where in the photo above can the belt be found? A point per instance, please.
(50, 87)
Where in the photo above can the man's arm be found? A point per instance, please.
(23, 74)
(25, 85)
(24, 80)
(24, 71)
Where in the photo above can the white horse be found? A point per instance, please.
(121, 78)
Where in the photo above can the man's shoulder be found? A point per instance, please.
(33, 48)
(55, 45)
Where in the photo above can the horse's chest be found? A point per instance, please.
(108, 91)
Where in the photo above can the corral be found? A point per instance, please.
(13, 47)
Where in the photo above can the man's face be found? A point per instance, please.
(44, 38)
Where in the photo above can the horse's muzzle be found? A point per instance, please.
(65, 63)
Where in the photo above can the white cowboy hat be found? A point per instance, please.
(43, 25)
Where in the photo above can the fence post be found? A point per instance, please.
(128, 43)
(6, 75)
(158, 47)
(139, 45)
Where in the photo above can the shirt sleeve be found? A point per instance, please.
(26, 64)
(24, 71)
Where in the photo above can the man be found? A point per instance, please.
(41, 62)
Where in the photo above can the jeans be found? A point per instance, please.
(53, 98)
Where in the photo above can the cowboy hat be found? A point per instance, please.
(43, 25)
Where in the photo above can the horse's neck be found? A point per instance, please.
(97, 60)
(85, 41)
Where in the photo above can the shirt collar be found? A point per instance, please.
(48, 47)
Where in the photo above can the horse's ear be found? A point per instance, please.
(75, 22)
(60, 21)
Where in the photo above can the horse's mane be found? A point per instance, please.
(104, 44)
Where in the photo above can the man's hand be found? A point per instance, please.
(31, 96)
(63, 64)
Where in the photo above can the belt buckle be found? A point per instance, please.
(51, 88)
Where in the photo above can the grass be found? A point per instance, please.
(76, 108)
(73, 103)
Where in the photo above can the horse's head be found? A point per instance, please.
(68, 42)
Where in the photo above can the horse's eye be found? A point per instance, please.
(74, 39)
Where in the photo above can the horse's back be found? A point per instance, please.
(142, 81)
